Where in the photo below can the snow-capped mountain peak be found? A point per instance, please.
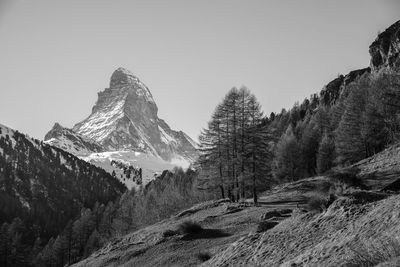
(124, 120)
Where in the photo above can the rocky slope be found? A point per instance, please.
(354, 231)
(385, 50)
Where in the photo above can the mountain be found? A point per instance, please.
(125, 120)
(45, 187)
(72, 142)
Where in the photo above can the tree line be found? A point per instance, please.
(244, 152)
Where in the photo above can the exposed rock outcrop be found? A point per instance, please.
(70, 141)
(385, 54)
(331, 92)
(385, 50)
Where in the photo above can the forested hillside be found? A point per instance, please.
(353, 117)
(169, 193)
(42, 189)
(244, 152)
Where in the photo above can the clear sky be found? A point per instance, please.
(56, 55)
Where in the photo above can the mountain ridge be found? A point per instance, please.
(45, 187)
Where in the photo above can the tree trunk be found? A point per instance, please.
(222, 191)
(254, 191)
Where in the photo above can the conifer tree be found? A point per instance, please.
(60, 247)
(350, 146)
(5, 245)
(256, 148)
(374, 130)
(225, 143)
(286, 164)
(325, 154)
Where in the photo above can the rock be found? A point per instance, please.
(332, 91)
(385, 50)
(285, 211)
(232, 209)
(122, 77)
(70, 141)
(276, 213)
(270, 214)
(266, 225)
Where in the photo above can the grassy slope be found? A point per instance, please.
(148, 247)
(343, 234)
(337, 237)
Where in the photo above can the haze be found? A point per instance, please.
(56, 55)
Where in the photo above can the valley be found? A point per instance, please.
(316, 184)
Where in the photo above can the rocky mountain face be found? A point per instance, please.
(385, 54)
(330, 93)
(72, 142)
(385, 50)
(125, 118)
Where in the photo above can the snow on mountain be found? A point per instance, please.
(70, 141)
(125, 118)
(4, 132)
(123, 123)
(91, 151)
(151, 166)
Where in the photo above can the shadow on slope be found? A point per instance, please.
(206, 234)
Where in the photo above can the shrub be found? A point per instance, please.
(189, 227)
(316, 203)
(266, 225)
(363, 197)
(206, 234)
(203, 256)
(349, 177)
(270, 214)
(169, 232)
(340, 189)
